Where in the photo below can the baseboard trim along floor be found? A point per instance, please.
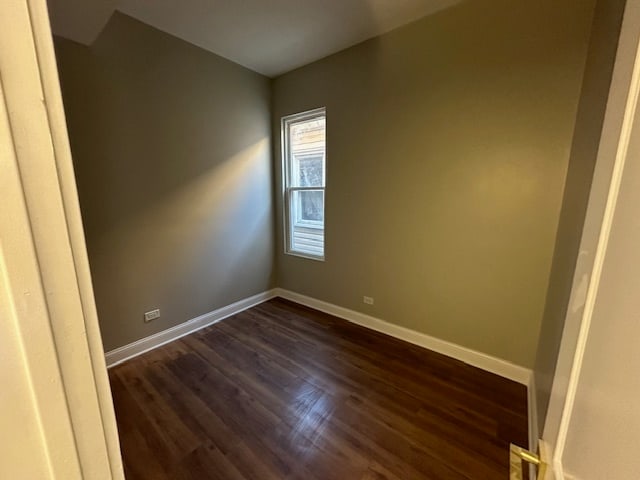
(122, 354)
(477, 359)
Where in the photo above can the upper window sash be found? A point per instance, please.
(289, 156)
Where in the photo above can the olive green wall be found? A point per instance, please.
(448, 143)
(597, 79)
(171, 147)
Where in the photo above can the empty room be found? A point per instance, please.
(319, 239)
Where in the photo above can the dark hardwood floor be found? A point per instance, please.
(281, 391)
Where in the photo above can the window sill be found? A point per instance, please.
(307, 256)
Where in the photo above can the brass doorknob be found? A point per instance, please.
(518, 457)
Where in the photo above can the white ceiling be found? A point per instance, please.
(268, 36)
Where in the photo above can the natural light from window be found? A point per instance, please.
(304, 158)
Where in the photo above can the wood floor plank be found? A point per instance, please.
(282, 391)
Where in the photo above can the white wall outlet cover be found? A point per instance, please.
(152, 315)
(368, 300)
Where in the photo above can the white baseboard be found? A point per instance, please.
(532, 407)
(119, 355)
(477, 359)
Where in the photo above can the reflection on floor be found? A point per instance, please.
(281, 391)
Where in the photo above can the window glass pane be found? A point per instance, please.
(309, 206)
(308, 171)
(307, 151)
(307, 222)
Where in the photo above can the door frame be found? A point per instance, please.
(43, 258)
(620, 118)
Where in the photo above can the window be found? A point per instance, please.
(304, 166)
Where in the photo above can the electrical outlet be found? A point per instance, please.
(368, 300)
(151, 315)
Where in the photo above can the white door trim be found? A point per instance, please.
(47, 201)
(33, 388)
(66, 178)
(603, 241)
(617, 128)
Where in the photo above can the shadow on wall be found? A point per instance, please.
(160, 113)
(216, 219)
(171, 148)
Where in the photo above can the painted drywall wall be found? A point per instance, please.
(584, 152)
(603, 429)
(171, 147)
(448, 143)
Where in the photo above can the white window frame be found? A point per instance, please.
(288, 190)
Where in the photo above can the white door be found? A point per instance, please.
(592, 422)
(56, 413)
